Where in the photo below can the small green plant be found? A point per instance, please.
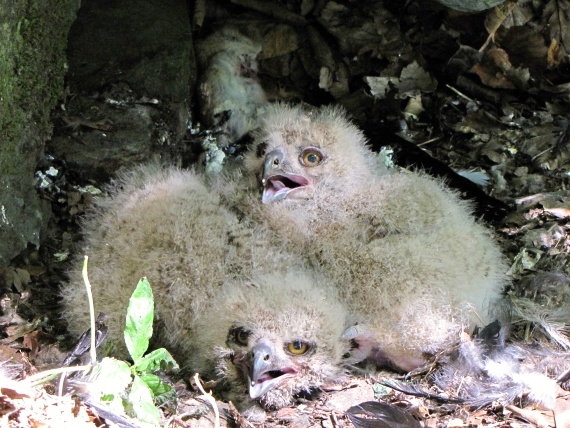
(135, 388)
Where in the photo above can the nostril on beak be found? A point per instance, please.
(272, 162)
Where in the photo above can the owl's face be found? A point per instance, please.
(283, 338)
(292, 172)
(298, 155)
(276, 368)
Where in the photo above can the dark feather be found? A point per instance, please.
(373, 414)
(84, 343)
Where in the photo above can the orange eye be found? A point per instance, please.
(311, 157)
(297, 347)
(241, 335)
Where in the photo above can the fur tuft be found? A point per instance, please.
(404, 251)
(229, 94)
(480, 373)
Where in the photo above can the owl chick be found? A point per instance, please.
(229, 93)
(275, 339)
(407, 256)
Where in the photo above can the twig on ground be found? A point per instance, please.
(209, 398)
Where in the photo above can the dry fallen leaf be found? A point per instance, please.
(559, 417)
(556, 19)
(280, 40)
(494, 19)
(553, 54)
(14, 389)
(526, 47)
(412, 82)
(18, 278)
(562, 409)
(492, 77)
(497, 71)
(541, 418)
(370, 29)
(14, 332)
(32, 343)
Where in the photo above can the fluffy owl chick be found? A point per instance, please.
(274, 338)
(405, 253)
(230, 96)
(169, 226)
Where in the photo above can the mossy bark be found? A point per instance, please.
(33, 39)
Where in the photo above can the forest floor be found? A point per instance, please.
(483, 92)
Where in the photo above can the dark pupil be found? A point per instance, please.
(241, 336)
(312, 158)
(297, 345)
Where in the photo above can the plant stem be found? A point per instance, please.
(93, 350)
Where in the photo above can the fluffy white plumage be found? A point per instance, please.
(407, 256)
(346, 258)
(229, 93)
(284, 333)
(482, 373)
(201, 259)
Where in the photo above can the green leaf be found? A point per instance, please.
(155, 384)
(138, 326)
(143, 407)
(159, 359)
(111, 377)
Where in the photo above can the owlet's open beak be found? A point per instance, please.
(278, 184)
(266, 371)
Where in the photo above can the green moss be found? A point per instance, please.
(33, 37)
(42, 68)
(10, 115)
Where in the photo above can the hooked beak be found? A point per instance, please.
(277, 184)
(265, 372)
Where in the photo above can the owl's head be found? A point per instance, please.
(298, 153)
(278, 337)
